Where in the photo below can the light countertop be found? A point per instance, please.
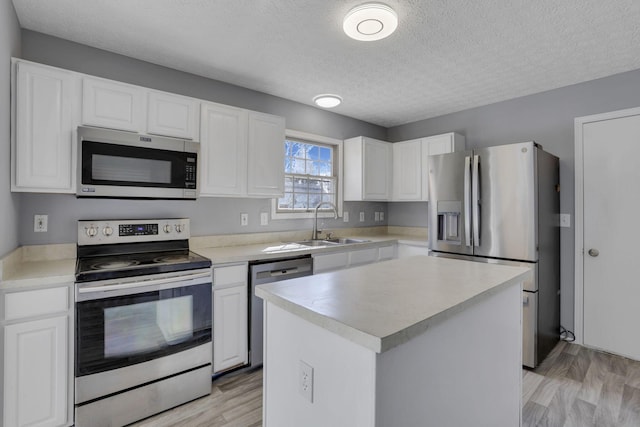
(383, 305)
(41, 266)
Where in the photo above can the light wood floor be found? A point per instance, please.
(578, 387)
(573, 387)
(235, 401)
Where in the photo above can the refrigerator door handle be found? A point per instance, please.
(467, 201)
(475, 195)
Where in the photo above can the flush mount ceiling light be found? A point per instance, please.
(327, 100)
(370, 21)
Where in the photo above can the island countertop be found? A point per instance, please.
(383, 305)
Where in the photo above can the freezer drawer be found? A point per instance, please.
(529, 329)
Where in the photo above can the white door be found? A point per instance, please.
(266, 155)
(35, 373)
(407, 170)
(230, 339)
(113, 105)
(223, 151)
(611, 149)
(173, 115)
(43, 154)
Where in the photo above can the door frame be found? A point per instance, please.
(579, 122)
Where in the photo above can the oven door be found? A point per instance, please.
(154, 169)
(120, 324)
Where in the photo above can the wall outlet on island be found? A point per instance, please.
(305, 381)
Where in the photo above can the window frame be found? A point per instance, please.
(337, 163)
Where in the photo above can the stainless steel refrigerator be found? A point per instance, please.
(501, 205)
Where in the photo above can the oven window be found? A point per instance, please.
(125, 330)
(149, 326)
(130, 169)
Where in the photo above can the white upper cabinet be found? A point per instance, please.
(241, 152)
(407, 171)
(367, 169)
(266, 155)
(223, 150)
(113, 105)
(173, 115)
(43, 149)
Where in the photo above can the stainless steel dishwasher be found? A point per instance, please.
(262, 272)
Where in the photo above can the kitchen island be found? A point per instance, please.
(418, 341)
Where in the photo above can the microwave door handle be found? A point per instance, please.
(467, 201)
(475, 194)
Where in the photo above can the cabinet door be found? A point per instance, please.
(363, 256)
(113, 105)
(407, 170)
(387, 252)
(434, 145)
(440, 144)
(376, 170)
(173, 115)
(223, 151)
(35, 373)
(43, 151)
(230, 340)
(266, 155)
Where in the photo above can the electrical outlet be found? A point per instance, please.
(361, 216)
(565, 220)
(305, 381)
(345, 216)
(244, 219)
(381, 216)
(40, 223)
(264, 218)
(376, 216)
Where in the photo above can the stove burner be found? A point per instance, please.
(172, 258)
(114, 265)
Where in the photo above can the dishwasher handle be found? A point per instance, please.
(276, 273)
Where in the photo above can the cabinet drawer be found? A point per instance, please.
(20, 305)
(364, 256)
(229, 275)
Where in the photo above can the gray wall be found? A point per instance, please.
(209, 215)
(9, 203)
(546, 118)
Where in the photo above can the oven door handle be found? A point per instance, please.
(144, 285)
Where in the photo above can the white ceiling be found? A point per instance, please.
(446, 56)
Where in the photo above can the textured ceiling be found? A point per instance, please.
(446, 56)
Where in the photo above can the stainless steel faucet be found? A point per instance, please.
(314, 236)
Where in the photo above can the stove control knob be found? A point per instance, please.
(167, 228)
(107, 231)
(92, 231)
(179, 228)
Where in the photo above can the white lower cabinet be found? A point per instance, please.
(230, 328)
(351, 258)
(38, 359)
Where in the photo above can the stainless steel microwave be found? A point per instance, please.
(121, 164)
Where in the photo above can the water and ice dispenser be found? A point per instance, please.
(450, 222)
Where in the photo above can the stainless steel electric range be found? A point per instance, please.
(143, 320)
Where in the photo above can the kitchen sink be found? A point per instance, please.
(347, 241)
(330, 242)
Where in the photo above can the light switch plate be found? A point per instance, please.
(361, 216)
(345, 216)
(40, 223)
(264, 218)
(565, 220)
(376, 216)
(381, 216)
